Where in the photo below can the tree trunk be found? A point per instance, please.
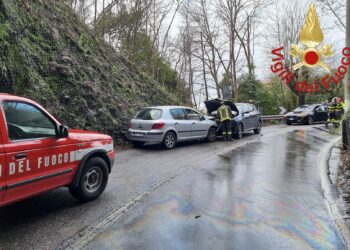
(233, 66)
(302, 99)
(190, 79)
(95, 14)
(249, 54)
(347, 77)
(204, 73)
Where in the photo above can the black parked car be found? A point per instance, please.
(246, 117)
(307, 114)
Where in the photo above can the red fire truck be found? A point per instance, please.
(38, 153)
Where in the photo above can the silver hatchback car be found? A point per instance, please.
(169, 125)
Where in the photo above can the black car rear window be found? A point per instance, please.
(149, 114)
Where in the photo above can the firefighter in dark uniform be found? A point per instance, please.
(335, 111)
(340, 108)
(332, 111)
(225, 116)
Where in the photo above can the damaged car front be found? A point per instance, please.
(212, 107)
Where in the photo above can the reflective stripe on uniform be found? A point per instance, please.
(224, 113)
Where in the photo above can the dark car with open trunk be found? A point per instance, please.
(245, 116)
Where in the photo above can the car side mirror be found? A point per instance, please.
(63, 131)
(202, 118)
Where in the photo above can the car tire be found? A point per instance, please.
(257, 130)
(138, 144)
(169, 141)
(211, 134)
(310, 120)
(239, 132)
(288, 123)
(93, 180)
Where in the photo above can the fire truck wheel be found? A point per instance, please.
(93, 180)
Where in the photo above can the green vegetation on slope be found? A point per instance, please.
(48, 55)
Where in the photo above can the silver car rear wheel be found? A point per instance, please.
(169, 140)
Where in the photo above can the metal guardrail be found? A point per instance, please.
(272, 117)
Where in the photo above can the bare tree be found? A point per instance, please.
(283, 31)
(204, 69)
(337, 9)
(228, 11)
(207, 29)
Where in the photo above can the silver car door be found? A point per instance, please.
(181, 124)
(199, 125)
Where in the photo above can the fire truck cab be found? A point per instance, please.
(38, 154)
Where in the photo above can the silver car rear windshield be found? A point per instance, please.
(149, 114)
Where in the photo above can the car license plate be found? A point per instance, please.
(291, 118)
(138, 134)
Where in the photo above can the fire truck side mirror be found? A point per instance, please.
(63, 131)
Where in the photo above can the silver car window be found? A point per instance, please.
(193, 115)
(149, 114)
(178, 114)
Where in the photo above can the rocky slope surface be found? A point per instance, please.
(49, 55)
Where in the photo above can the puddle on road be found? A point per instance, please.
(246, 199)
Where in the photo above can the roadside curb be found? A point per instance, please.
(331, 193)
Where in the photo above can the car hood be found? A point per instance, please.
(210, 117)
(84, 135)
(213, 105)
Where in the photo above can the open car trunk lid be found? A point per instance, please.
(213, 105)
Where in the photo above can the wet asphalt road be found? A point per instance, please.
(263, 195)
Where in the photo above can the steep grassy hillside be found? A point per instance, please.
(48, 55)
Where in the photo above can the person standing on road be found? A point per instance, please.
(340, 107)
(225, 116)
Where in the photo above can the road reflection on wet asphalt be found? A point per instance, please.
(264, 195)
